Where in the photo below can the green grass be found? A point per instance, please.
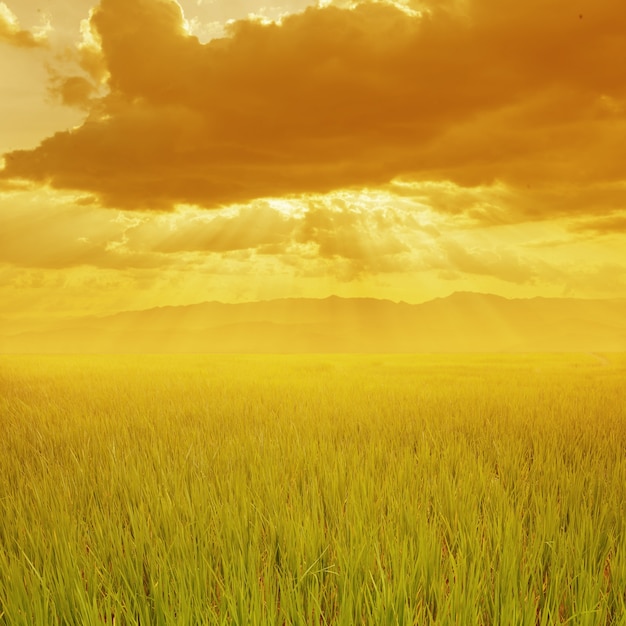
(279, 490)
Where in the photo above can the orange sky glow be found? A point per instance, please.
(156, 152)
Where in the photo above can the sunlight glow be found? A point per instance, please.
(8, 16)
(346, 149)
(88, 38)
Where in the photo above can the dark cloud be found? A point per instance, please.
(522, 95)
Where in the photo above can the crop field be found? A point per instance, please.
(328, 489)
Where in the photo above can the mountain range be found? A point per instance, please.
(462, 322)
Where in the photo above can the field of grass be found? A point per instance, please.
(313, 490)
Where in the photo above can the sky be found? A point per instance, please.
(157, 152)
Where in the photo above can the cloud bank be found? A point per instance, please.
(526, 95)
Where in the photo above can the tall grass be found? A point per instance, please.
(313, 490)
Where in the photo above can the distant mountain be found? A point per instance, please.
(462, 322)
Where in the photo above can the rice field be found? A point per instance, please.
(328, 489)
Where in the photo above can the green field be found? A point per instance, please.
(313, 490)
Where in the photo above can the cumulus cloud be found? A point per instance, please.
(347, 235)
(12, 33)
(481, 93)
(327, 230)
(365, 239)
(75, 91)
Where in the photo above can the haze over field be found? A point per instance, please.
(161, 153)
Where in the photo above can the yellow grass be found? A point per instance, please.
(313, 490)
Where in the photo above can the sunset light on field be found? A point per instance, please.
(313, 312)
(166, 153)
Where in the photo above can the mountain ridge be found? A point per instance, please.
(460, 322)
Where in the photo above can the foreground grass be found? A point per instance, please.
(313, 490)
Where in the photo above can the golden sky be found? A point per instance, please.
(159, 152)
